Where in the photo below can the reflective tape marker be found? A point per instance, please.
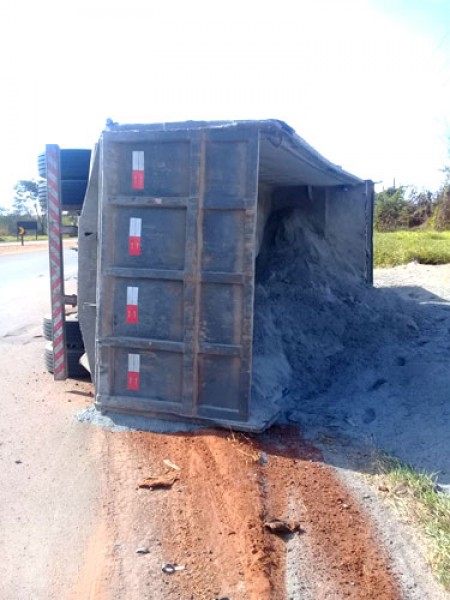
(52, 156)
(137, 173)
(132, 304)
(134, 366)
(134, 242)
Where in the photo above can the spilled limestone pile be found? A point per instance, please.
(315, 321)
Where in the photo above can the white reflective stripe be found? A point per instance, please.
(135, 160)
(51, 160)
(138, 160)
(51, 175)
(58, 362)
(134, 363)
(132, 295)
(58, 348)
(135, 227)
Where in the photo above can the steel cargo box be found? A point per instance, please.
(180, 212)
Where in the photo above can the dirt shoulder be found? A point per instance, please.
(211, 522)
(33, 246)
(415, 282)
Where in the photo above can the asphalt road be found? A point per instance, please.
(25, 287)
(50, 469)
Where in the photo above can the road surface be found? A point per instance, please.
(25, 288)
(49, 463)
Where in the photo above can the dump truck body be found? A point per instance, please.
(172, 223)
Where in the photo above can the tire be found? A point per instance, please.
(74, 369)
(42, 193)
(72, 193)
(74, 164)
(42, 165)
(74, 339)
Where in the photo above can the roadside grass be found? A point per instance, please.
(401, 247)
(415, 495)
(32, 238)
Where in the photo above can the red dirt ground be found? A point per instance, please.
(211, 521)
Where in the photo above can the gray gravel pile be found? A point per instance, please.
(343, 356)
(314, 319)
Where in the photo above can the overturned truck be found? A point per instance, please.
(175, 219)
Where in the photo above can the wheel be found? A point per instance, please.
(72, 193)
(74, 369)
(42, 193)
(74, 164)
(74, 339)
(42, 165)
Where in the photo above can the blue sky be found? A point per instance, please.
(366, 82)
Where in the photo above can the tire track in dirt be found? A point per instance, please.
(230, 505)
(347, 559)
(211, 521)
(214, 526)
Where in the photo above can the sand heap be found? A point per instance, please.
(315, 321)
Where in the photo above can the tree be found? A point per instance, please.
(421, 205)
(391, 209)
(27, 202)
(441, 217)
(25, 197)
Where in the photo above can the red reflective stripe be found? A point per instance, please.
(137, 169)
(132, 313)
(134, 245)
(57, 356)
(133, 381)
(137, 180)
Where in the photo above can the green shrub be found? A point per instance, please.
(441, 216)
(391, 210)
(400, 247)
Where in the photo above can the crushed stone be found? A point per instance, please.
(125, 422)
(345, 357)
